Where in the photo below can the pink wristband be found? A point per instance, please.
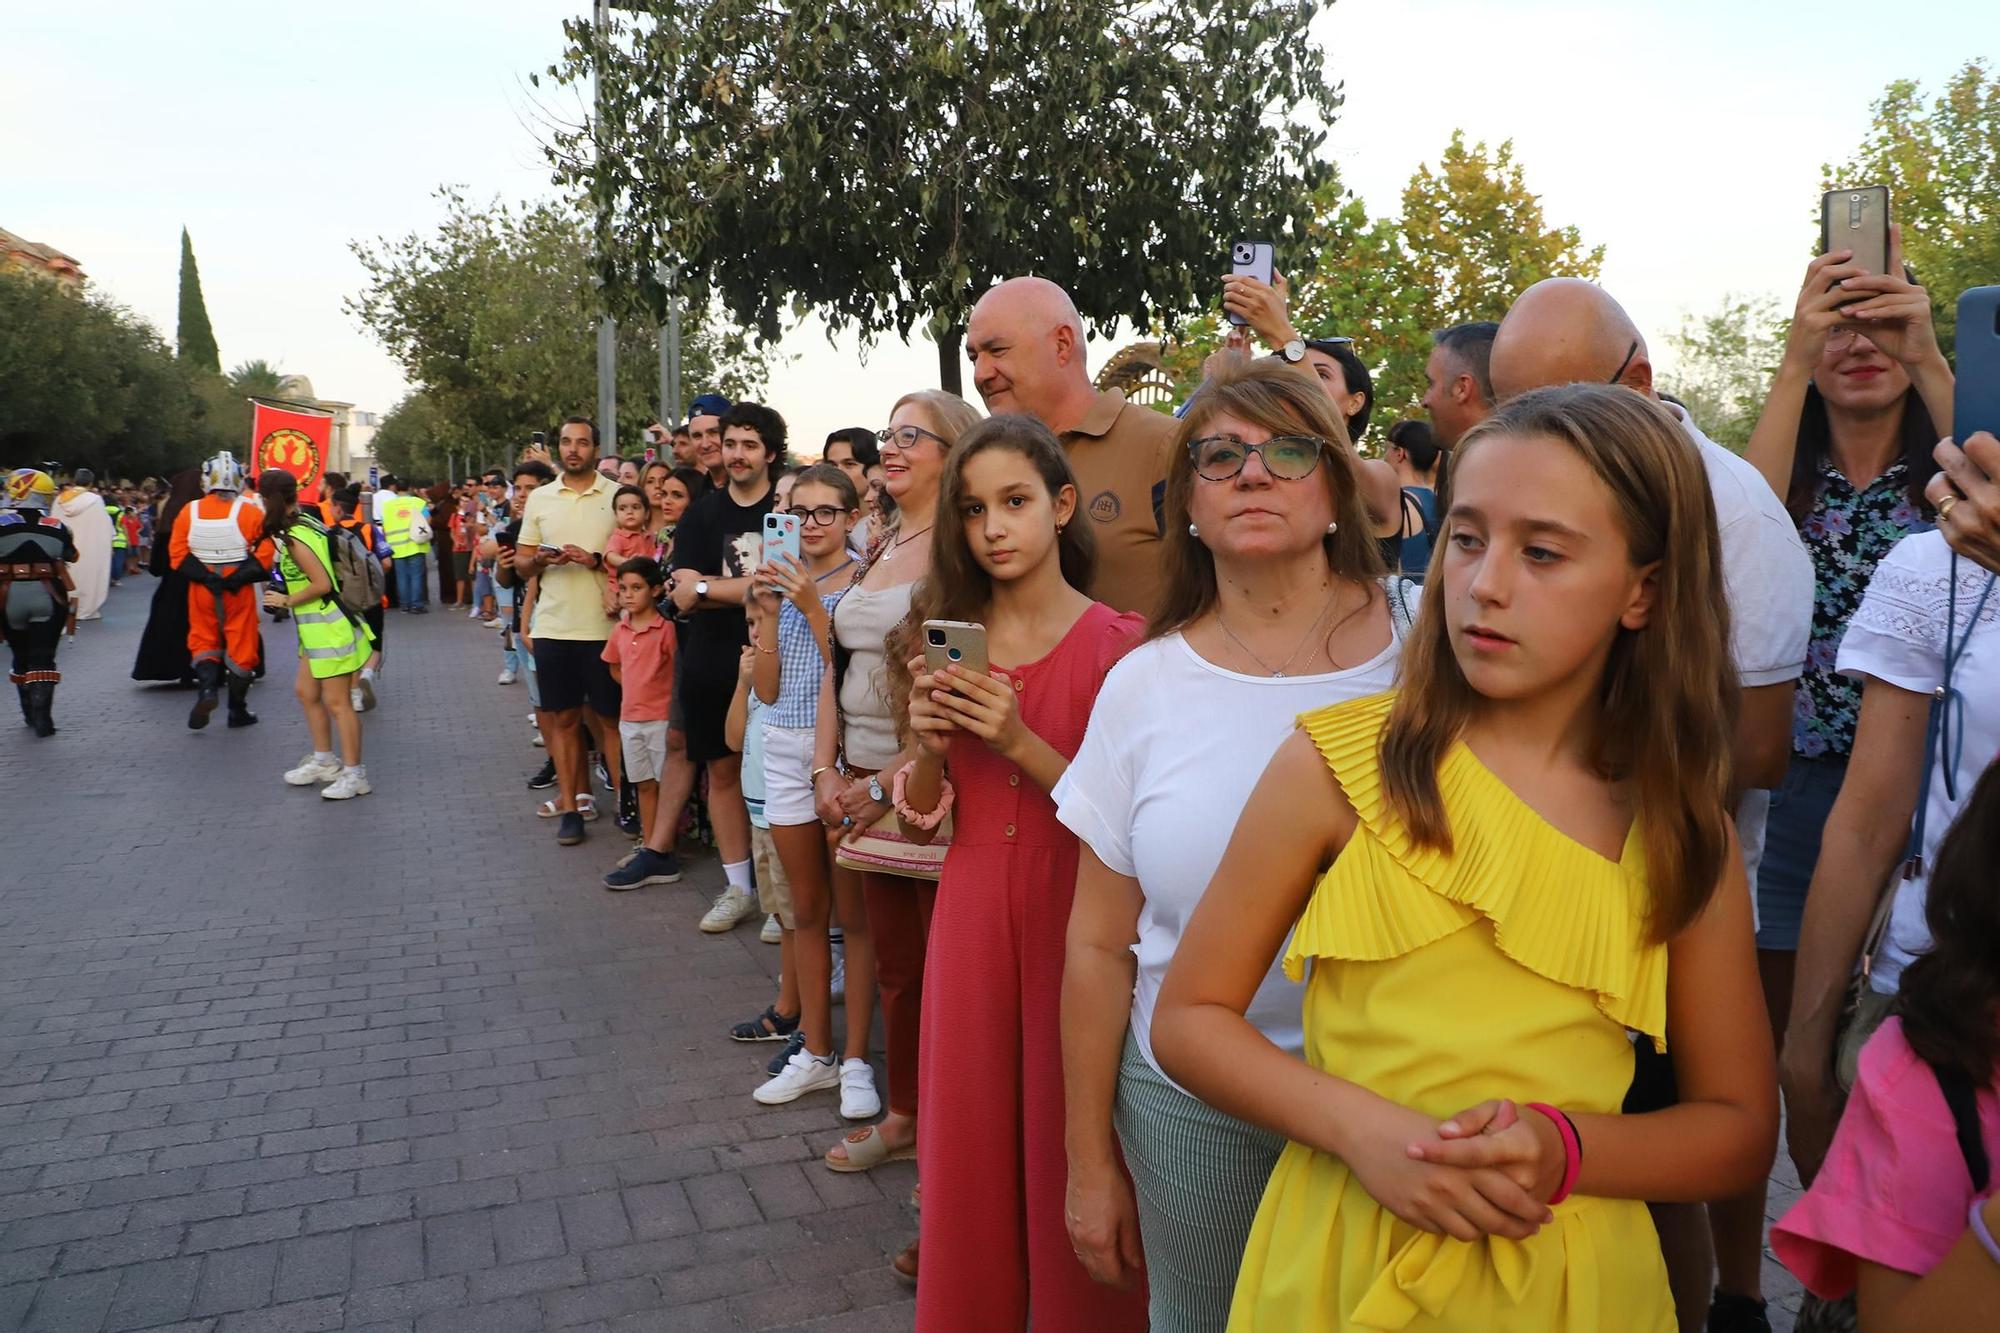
(900, 783)
(1572, 1149)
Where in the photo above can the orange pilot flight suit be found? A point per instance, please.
(222, 622)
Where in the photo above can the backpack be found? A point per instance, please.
(357, 575)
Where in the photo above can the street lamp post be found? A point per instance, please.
(607, 327)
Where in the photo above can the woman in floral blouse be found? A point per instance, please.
(1861, 398)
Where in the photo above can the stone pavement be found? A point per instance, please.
(274, 1063)
(269, 1062)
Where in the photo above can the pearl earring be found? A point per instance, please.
(1193, 531)
(1333, 527)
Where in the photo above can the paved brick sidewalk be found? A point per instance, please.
(270, 1062)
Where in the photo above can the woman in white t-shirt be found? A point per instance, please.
(1275, 605)
(1923, 603)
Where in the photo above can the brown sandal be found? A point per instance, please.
(904, 1265)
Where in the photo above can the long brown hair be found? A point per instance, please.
(954, 586)
(1283, 401)
(280, 492)
(1667, 699)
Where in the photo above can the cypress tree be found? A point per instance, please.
(195, 335)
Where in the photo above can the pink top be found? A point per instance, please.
(645, 662)
(625, 545)
(1894, 1190)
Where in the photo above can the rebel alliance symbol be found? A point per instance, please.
(291, 450)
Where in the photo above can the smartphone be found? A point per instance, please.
(781, 537)
(1857, 220)
(539, 437)
(959, 643)
(1250, 259)
(548, 550)
(651, 453)
(1975, 404)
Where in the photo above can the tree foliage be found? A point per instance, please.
(1723, 364)
(494, 317)
(87, 384)
(257, 379)
(421, 440)
(884, 161)
(1941, 162)
(194, 336)
(1471, 235)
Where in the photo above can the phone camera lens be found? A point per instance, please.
(936, 638)
(953, 654)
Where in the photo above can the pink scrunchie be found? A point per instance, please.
(900, 783)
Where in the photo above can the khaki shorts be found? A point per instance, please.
(774, 891)
(645, 748)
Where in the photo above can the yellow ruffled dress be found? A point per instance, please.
(1511, 967)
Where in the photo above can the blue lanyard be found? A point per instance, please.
(1944, 732)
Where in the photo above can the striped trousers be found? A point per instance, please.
(1198, 1175)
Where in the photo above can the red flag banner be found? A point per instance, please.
(294, 442)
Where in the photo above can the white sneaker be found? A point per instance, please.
(803, 1073)
(346, 787)
(732, 908)
(310, 770)
(837, 978)
(772, 933)
(507, 677)
(858, 1098)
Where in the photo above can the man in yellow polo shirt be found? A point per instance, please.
(1025, 341)
(564, 529)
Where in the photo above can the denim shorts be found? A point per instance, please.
(1799, 807)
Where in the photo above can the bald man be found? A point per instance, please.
(1568, 331)
(1026, 344)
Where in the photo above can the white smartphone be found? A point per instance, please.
(1250, 259)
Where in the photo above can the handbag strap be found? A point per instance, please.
(1963, 1102)
(1944, 729)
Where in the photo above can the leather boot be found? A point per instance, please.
(41, 703)
(239, 707)
(27, 706)
(208, 678)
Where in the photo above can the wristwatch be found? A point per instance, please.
(1294, 351)
(875, 792)
(701, 587)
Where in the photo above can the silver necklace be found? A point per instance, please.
(1332, 596)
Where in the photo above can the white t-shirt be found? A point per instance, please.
(1174, 747)
(1897, 636)
(1768, 577)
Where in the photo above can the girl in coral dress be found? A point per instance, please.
(1009, 553)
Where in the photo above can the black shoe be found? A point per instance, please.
(629, 825)
(569, 828)
(545, 776)
(767, 1026)
(793, 1045)
(27, 707)
(207, 676)
(646, 866)
(239, 703)
(1731, 1312)
(42, 695)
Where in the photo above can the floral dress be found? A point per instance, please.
(1847, 532)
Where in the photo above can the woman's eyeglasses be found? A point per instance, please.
(1286, 457)
(907, 437)
(820, 516)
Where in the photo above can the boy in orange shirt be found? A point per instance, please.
(640, 652)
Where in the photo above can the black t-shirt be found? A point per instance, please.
(721, 539)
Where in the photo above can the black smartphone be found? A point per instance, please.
(1975, 402)
(538, 437)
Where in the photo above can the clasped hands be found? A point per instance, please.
(1486, 1171)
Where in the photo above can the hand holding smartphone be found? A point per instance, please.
(1249, 259)
(1976, 394)
(1857, 220)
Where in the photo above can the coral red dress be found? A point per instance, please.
(996, 1252)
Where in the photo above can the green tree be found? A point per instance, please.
(195, 337)
(884, 161)
(1723, 363)
(419, 439)
(1941, 163)
(257, 379)
(493, 316)
(85, 383)
(1470, 237)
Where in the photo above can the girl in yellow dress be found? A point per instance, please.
(1500, 875)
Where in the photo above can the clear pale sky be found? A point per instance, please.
(1686, 137)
